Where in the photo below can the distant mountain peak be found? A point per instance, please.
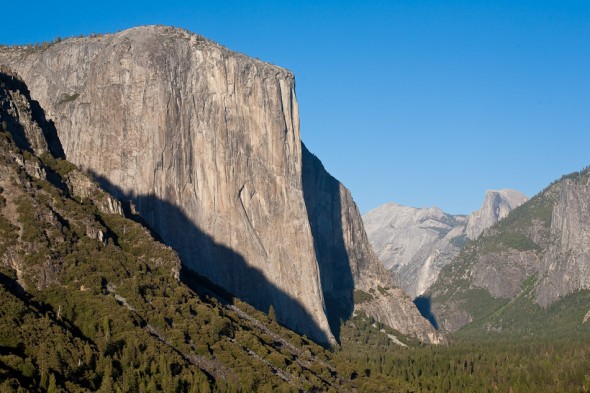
(497, 204)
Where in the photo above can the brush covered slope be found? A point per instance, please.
(205, 144)
(527, 274)
(89, 300)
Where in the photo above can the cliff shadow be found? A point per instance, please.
(8, 122)
(424, 306)
(14, 126)
(322, 197)
(210, 268)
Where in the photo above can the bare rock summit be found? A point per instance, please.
(497, 204)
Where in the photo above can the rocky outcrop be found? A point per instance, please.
(204, 144)
(415, 243)
(16, 114)
(496, 205)
(541, 251)
(30, 168)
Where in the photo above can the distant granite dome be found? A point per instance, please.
(416, 243)
(205, 144)
(496, 205)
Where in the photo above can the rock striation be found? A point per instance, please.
(203, 143)
(414, 244)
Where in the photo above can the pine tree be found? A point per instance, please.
(52, 388)
(106, 385)
(271, 313)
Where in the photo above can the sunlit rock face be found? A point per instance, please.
(204, 144)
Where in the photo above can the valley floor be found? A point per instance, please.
(468, 363)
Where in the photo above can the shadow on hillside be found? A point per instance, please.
(321, 192)
(210, 266)
(39, 308)
(424, 305)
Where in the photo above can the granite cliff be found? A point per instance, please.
(538, 255)
(414, 244)
(203, 143)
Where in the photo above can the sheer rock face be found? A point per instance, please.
(496, 205)
(565, 268)
(204, 143)
(416, 243)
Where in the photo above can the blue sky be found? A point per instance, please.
(421, 103)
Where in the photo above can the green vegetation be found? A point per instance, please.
(382, 291)
(487, 366)
(487, 362)
(361, 296)
(69, 98)
(62, 167)
(523, 318)
(460, 241)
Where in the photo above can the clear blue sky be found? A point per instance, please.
(417, 102)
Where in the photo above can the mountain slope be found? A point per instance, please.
(415, 244)
(537, 256)
(89, 300)
(204, 144)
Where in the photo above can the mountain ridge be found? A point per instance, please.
(535, 257)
